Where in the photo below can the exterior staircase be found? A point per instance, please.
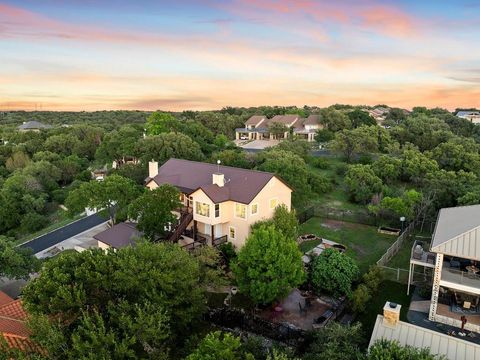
(185, 219)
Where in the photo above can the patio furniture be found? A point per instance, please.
(472, 269)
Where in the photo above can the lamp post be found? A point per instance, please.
(402, 220)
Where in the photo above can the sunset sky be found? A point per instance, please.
(205, 54)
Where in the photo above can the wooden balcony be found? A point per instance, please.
(421, 256)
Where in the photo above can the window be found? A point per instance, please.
(273, 203)
(217, 210)
(240, 210)
(254, 209)
(202, 209)
(231, 232)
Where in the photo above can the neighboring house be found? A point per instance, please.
(220, 202)
(472, 116)
(13, 326)
(389, 327)
(454, 256)
(33, 126)
(118, 236)
(379, 114)
(99, 174)
(257, 127)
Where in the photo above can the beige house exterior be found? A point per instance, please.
(220, 202)
(257, 127)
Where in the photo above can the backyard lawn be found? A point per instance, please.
(363, 242)
(388, 291)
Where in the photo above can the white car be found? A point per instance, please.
(244, 137)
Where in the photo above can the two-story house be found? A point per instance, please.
(257, 127)
(472, 116)
(220, 202)
(455, 258)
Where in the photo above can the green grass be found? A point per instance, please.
(57, 220)
(337, 198)
(388, 291)
(364, 243)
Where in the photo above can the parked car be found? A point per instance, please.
(243, 137)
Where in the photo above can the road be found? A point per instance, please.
(56, 236)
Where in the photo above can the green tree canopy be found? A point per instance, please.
(360, 117)
(126, 303)
(334, 272)
(336, 342)
(290, 167)
(357, 141)
(269, 265)
(362, 183)
(115, 194)
(16, 262)
(161, 122)
(385, 349)
(168, 145)
(153, 211)
(219, 346)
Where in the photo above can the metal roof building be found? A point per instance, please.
(453, 348)
(457, 232)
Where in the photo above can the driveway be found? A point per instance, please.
(259, 144)
(55, 237)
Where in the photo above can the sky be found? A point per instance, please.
(202, 55)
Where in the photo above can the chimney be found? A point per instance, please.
(152, 169)
(391, 314)
(218, 179)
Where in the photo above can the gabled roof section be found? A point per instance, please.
(284, 119)
(241, 185)
(120, 235)
(255, 120)
(31, 125)
(4, 299)
(457, 232)
(452, 348)
(312, 120)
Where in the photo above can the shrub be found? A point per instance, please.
(385, 349)
(319, 184)
(320, 163)
(341, 169)
(425, 292)
(268, 266)
(359, 298)
(333, 272)
(228, 252)
(32, 222)
(373, 278)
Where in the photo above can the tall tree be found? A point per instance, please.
(131, 303)
(362, 183)
(357, 141)
(269, 265)
(16, 262)
(153, 211)
(115, 194)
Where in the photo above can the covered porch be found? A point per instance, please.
(196, 236)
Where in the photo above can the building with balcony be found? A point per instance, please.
(220, 203)
(454, 256)
(258, 127)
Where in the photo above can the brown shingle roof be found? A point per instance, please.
(241, 185)
(119, 235)
(312, 120)
(255, 119)
(284, 119)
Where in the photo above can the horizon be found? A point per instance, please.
(88, 56)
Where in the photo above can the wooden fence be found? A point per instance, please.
(393, 249)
